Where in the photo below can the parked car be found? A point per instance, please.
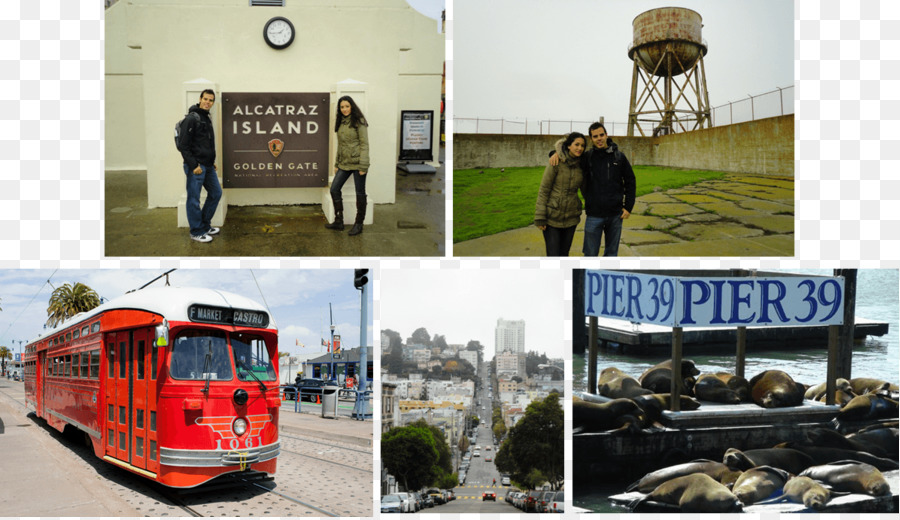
(406, 501)
(543, 501)
(391, 504)
(504, 480)
(530, 504)
(439, 498)
(309, 388)
(558, 503)
(489, 495)
(427, 500)
(462, 477)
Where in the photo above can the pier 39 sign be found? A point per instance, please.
(275, 140)
(684, 301)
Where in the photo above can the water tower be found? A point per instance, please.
(667, 52)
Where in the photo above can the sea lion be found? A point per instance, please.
(710, 388)
(813, 393)
(736, 383)
(841, 398)
(695, 493)
(827, 455)
(617, 384)
(718, 471)
(850, 476)
(658, 378)
(868, 406)
(775, 389)
(759, 483)
(883, 438)
(806, 491)
(654, 404)
(824, 438)
(865, 385)
(792, 461)
(618, 414)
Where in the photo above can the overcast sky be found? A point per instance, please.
(430, 8)
(298, 300)
(545, 59)
(464, 305)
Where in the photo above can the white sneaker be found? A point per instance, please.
(202, 238)
(213, 231)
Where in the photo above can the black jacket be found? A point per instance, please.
(198, 140)
(609, 183)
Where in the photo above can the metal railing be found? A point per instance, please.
(769, 104)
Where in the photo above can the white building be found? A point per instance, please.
(509, 336)
(471, 356)
(511, 364)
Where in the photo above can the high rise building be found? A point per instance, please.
(509, 336)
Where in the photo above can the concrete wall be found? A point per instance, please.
(124, 136)
(379, 43)
(764, 147)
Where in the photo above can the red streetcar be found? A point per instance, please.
(176, 385)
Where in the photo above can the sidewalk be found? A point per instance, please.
(738, 215)
(39, 479)
(412, 226)
(309, 422)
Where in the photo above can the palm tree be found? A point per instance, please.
(5, 353)
(68, 300)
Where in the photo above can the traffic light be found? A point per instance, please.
(359, 278)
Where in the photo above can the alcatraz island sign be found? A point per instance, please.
(275, 140)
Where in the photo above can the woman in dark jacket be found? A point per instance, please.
(558, 209)
(352, 159)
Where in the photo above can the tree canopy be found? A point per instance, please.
(533, 451)
(421, 337)
(418, 456)
(68, 300)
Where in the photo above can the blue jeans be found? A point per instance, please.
(594, 227)
(341, 177)
(199, 219)
(558, 241)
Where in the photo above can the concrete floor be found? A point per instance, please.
(738, 215)
(413, 226)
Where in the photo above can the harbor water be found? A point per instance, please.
(878, 299)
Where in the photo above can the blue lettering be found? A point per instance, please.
(593, 280)
(767, 301)
(617, 295)
(605, 310)
(688, 286)
(717, 301)
(634, 292)
(813, 305)
(737, 300)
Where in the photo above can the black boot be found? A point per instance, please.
(360, 217)
(338, 223)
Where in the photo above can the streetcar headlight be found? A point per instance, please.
(239, 426)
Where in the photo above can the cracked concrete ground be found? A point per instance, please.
(738, 215)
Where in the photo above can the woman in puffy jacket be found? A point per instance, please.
(352, 159)
(558, 208)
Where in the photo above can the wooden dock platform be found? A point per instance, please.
(635, 338)
(853, 503)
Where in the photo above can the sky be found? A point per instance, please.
(464, 305)
(430, 8)
(298, 299)
(544, 59)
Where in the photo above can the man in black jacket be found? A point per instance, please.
(197, 143)
(609, 192)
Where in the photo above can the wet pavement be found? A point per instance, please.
(738, 215)
(412, 226)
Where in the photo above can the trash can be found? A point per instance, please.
(329, 400)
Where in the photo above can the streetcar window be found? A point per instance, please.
(152, 420)
(85, 364)
(67, 366)
(69, 337)
(111, 356)
(198, 354)
(95, 364)
(250, 354)
(74, 364)
(95, 327)
(123, 367)
(154, 352)
(85, 330)
(139, 361)
(75, 334)
(152, 449)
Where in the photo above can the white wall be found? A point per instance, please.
(385, 44)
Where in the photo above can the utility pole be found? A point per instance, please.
(361, 282)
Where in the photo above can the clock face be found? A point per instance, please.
(279, 32)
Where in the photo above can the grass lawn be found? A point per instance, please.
(494, 201)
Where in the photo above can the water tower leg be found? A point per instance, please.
(632, 107)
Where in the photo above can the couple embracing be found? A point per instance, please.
(606, 180)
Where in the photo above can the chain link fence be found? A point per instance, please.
(769, 104)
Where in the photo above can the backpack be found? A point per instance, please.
(181, 129)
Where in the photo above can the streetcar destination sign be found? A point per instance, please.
(227, 316)
(686, 301)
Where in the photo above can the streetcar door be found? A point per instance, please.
(140, 398)
(117, 395)
(39, 378)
